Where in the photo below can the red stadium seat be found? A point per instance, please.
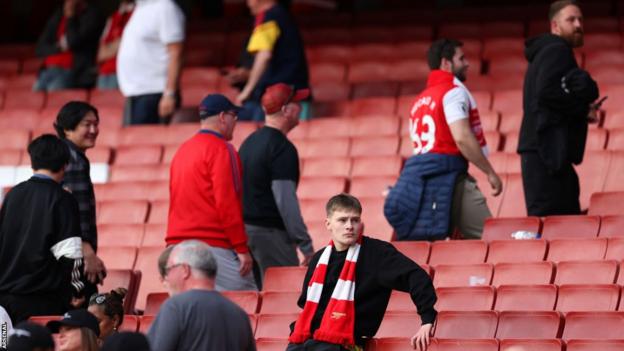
(153, 303)
(328, 53)
(404, 106)
(368, 71)
(154, 234)
(178, 133)
(145, 172)
(271, 344)
(490, 121)
(473, 298)
(376, 225)
(510, 122)
(493, 140)
(117, 257)
(43, 320)
(141, 135)
(332, 109)
(24, 99)
(417, 251)
(516, 251)
(138, 155)
(501, 65)
(613, 181)
(200, 76)
(594, 325)
(99, 154)
(145, 322)
(400, 302)
(507, 102)
(533, 345)
(117, 234)
(374, 146)
(459, 345)
(373, 106)
(284, 278)
(513, 204)
(586, 272)
(501, 46)
(365, 187)
(409, 70)
(159, 212)
(371, 90)
(327, 167)
(275, 325)
(458, 252)
(596, 139)
(529, 325)
(556, 227)
(593, 345)
(242, 131)
(106, 98)
(132, 191)
(523, 273)
(460, 30)
(371, 126)
(590, 180)
(462, 275)
(147, 263)
(320, 148)
(616, 140)
(526, 297)
(576, 249)
(280, 302)
(606, 203)
(327, 72)
(247, 300)
(399, 325)
(320, 188)
(331, 91)
(588, 297)
(511, 142)
(56, 99)
(328, 128)
(14, 139)
(123, 212)
(10, 157)
(130, 323)
(615, 249)
(611, 225)
(466, 324)
(376, 166)
(125, 278)
(598, 41)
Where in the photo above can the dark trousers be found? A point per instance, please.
(313, 345)
(143, 109)
(547, 192)
(22, 307)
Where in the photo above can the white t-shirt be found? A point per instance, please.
(142, 58)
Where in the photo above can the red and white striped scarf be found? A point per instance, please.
(339, 318)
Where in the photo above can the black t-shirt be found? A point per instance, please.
(266, 155)
(36, 215)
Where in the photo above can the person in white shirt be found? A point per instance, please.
(149, 61)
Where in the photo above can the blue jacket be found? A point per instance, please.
(419, 205)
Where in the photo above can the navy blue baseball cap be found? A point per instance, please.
(76, 318)
(214, 104)
(26, 336)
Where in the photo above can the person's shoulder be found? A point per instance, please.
(376, 244)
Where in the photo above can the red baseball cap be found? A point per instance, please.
(280, 94)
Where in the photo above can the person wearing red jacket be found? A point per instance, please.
(206, 193)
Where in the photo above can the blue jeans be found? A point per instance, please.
(53, 78)
(107, 82)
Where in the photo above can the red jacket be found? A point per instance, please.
(205, 188)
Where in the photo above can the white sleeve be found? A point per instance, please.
(171, 28)
(456, 104)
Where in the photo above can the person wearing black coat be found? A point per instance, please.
(557, 104)
(68, 46)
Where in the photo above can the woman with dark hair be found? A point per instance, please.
(78, 331)
(109, 310)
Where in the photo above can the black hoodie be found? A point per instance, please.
(556, 102)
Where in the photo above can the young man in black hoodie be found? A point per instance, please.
(348, 284)
(40, 245)
(558, 98)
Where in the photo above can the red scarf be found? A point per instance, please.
(339, 317)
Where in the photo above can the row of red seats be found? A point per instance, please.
(398, 344)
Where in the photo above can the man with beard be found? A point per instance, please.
(434, 194)
(557, 109)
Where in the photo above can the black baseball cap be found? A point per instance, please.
(26, 336)
(214, 104)
(76, 318)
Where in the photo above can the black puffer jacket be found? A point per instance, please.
(557, 94)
